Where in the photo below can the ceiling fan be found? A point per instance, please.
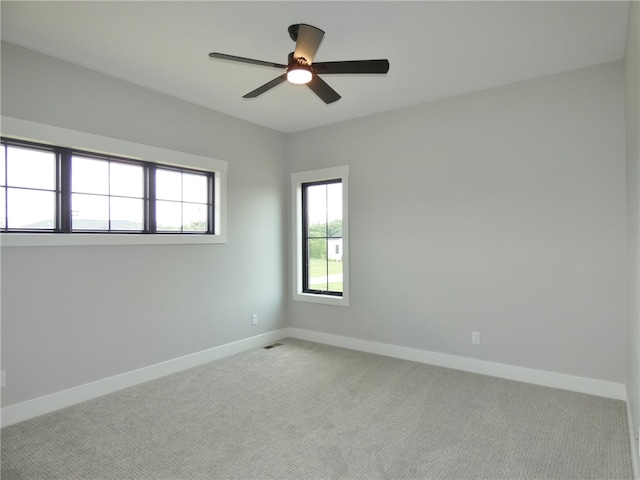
(300, 68)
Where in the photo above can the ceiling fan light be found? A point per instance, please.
(299, 74)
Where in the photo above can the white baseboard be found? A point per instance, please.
(55, 401)
(538, 377)
(635, 447)
(65, 398)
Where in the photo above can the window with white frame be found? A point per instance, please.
(320, 236)
(44, 201)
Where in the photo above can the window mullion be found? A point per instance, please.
(109, 195)
(181, 202)
(151, 224)
(210, 202)
(6, 189)
(326, 233)
(64, 205)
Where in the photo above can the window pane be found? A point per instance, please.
(317, 230)
(194, 188)
(325, 272)
(32, 209)
(317, 253)
(31, 168)
(3, 211)
(168, 216)
(127, 214)
(89, 212)
(3, 161)
(194, 217)
(334, 264)
(168, 185)
(316, 210)
(89, 175)
(334, 203)
(126, 180)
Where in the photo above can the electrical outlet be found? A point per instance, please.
(475, 338)
(254, 319)
(2, 379)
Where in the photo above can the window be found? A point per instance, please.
(321, 236)
(320, 223)
(106, 195)
(50, 189)
(182, 201)
(28, 189)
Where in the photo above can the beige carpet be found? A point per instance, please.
(308, 411)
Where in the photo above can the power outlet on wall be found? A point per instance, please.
(475, 338)
(2, 379)
(254, 319)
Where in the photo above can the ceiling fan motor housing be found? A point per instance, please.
(293, 31)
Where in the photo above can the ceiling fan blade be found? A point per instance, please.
(323, 90)
(267, 86)
(308, 41)
(233, 58)
(352, 66)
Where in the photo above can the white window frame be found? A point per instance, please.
(47, 134)
(297, 179)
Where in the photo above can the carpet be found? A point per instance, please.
(303, 410)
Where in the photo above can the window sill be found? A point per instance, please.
(97, 239)
(324, 299)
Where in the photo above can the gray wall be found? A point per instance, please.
(72, 315)
(632, 84)
(501, 211)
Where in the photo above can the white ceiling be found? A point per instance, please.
(436, 49)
